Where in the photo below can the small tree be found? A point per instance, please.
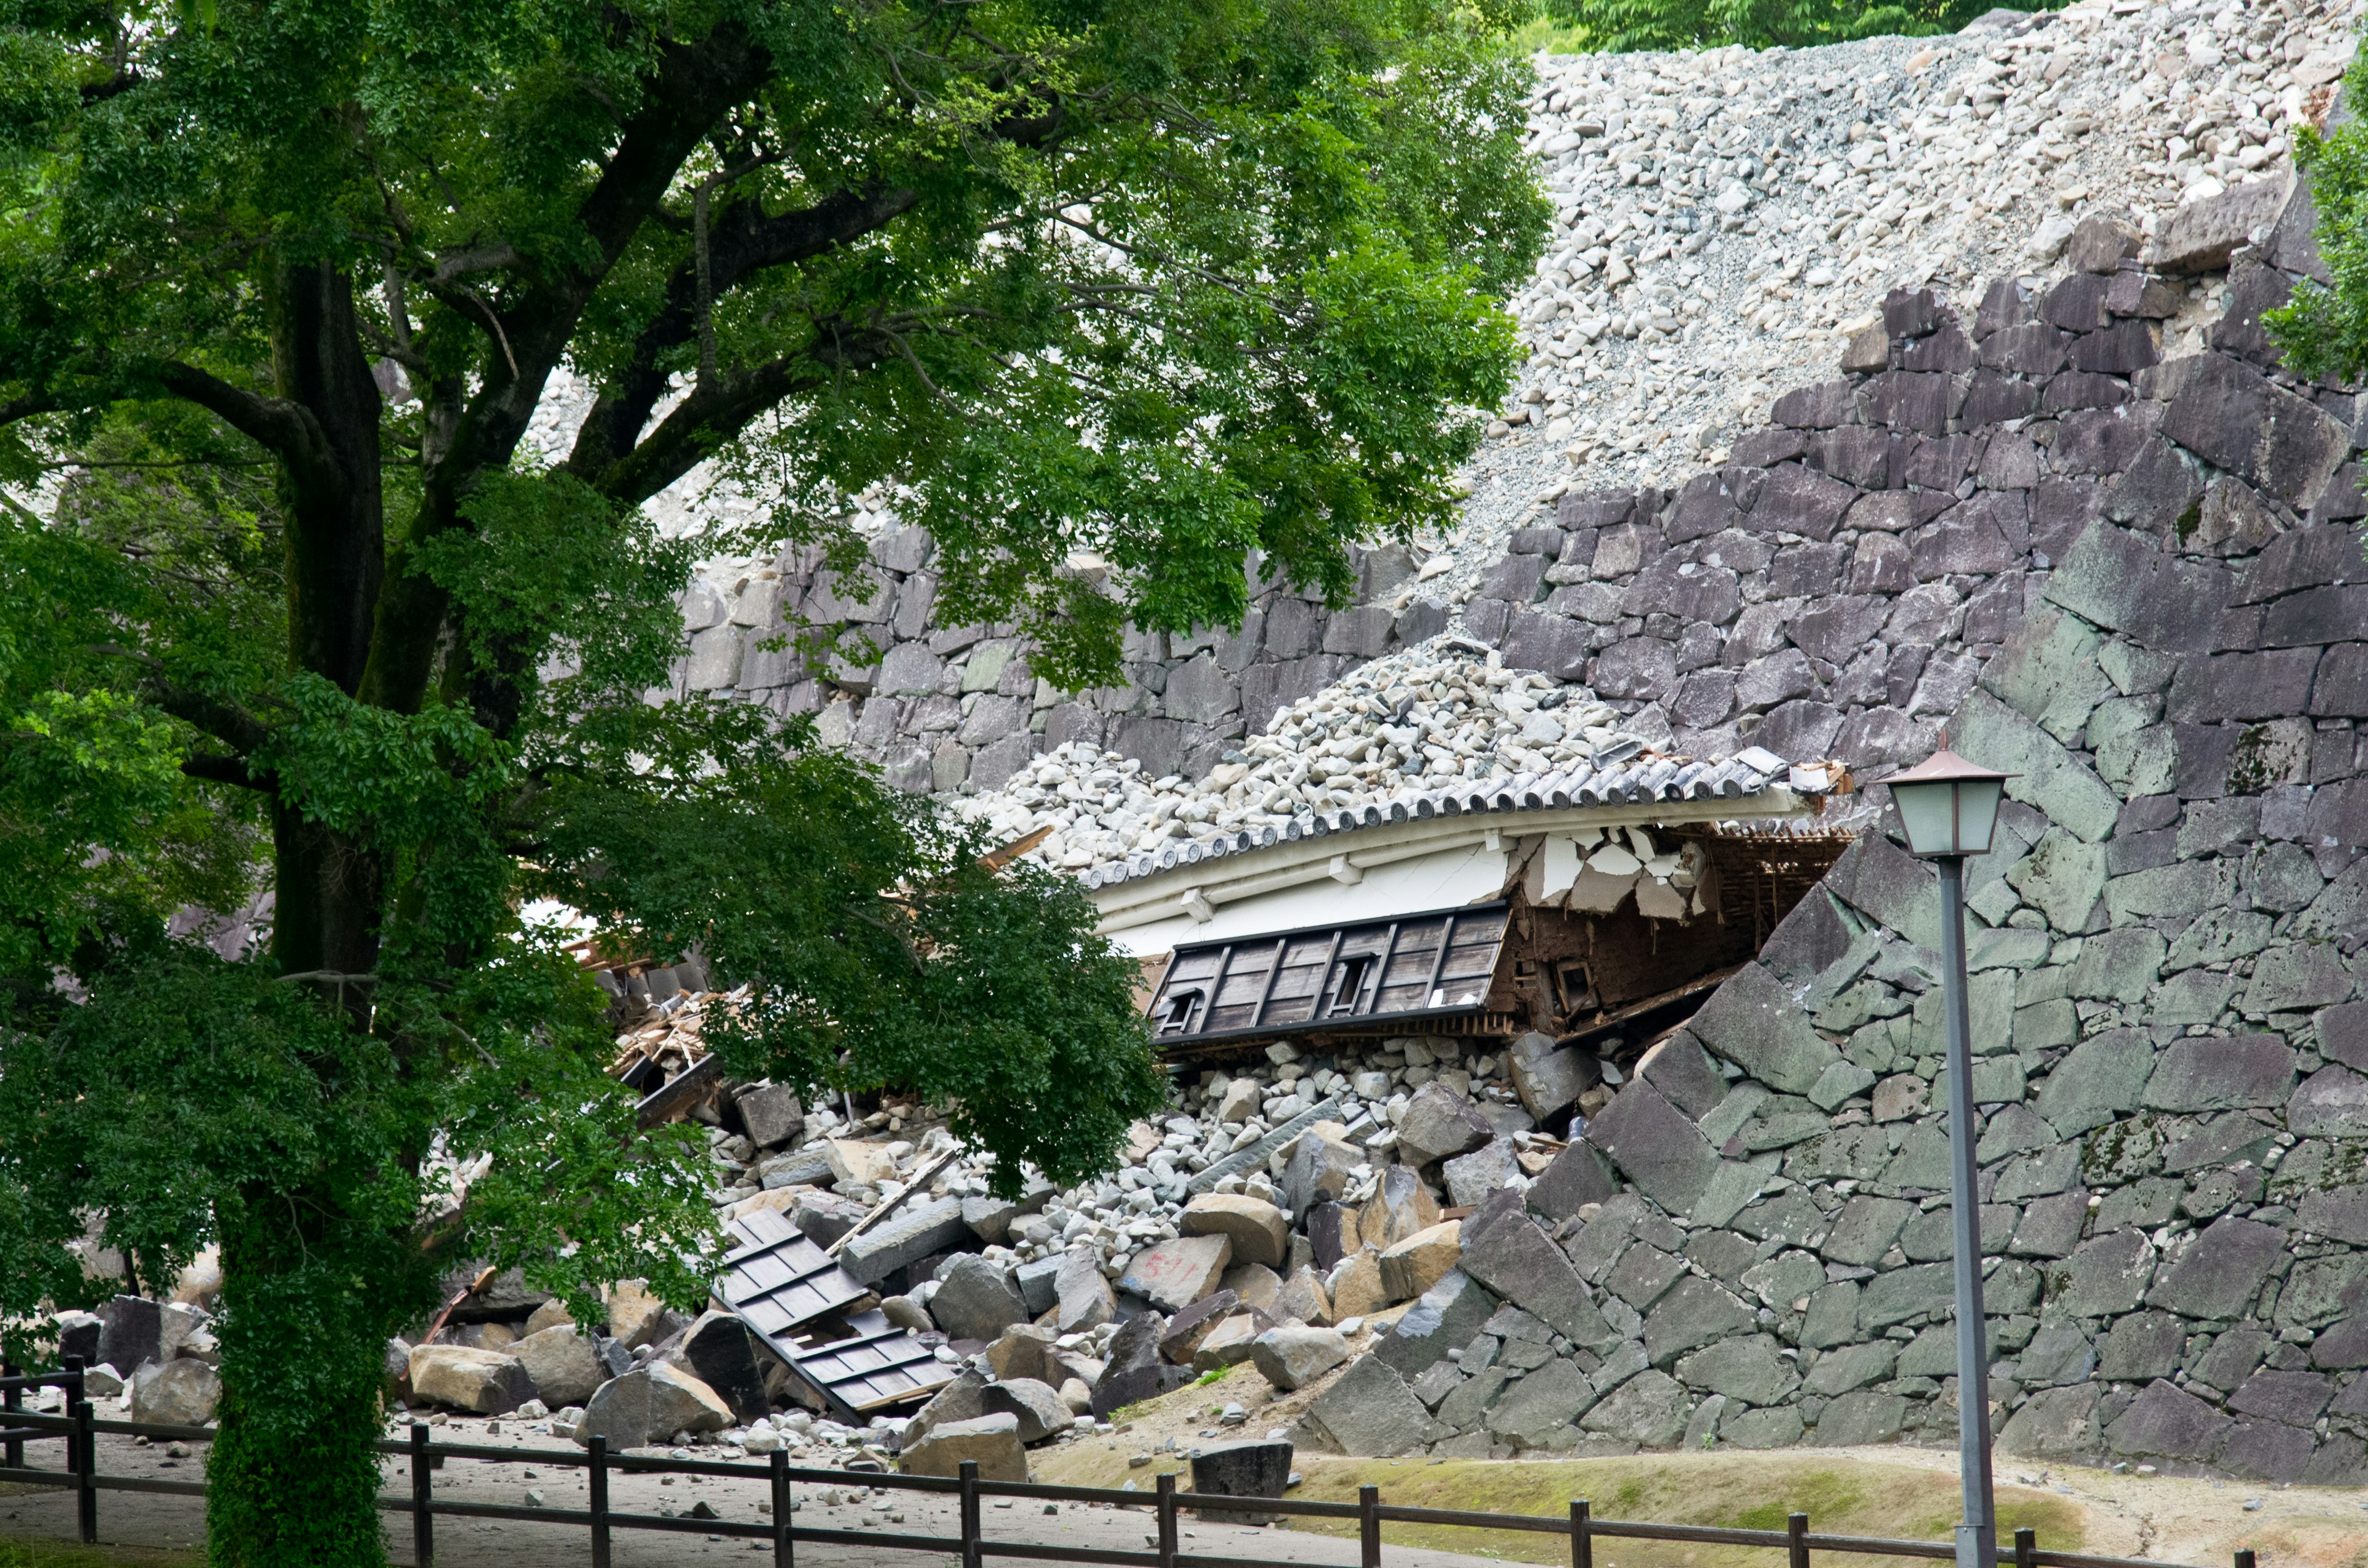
(290, 609)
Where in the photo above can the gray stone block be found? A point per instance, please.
(1369, 1411)
(2340, 1213)
(2051, 1226)
(1776, 1428)
(2266, 1450)
(1693, 1313)
(1847, 1367)
(2127, 583)
(2204, 1073)
(1657, 1148)
(2047, 775)
(2054, 1424)
(1860, 1419)
(929, 1227)
(1440, 1123)
(2219, 1271)
(1751, 1021)
(1534, 1411)
(1517, 1261)
(1577, 1176)
(2166, 1422)
(2105, 1275)
(2104, 1077)
(1648, 1410)
(1832, 1317)
(1746, 1368)
(2202, 235)
(976, 1300)
(1903, 1293)
(1865, 1229)
(1444, 1319)
(2118, 965)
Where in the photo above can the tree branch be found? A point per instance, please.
(741, 243)
(715, 413)
(224, 721)
(288, 428)
(225, 770)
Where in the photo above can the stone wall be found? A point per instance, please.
(2136, 583)
(2138, 586)
(957, 709)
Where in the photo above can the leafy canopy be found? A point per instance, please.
(1623, 24)
(342, 346)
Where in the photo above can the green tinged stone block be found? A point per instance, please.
(2047, 671)
(2047, 775)
(2061, 878)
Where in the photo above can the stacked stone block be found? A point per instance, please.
(958, 709)
(2143, 578)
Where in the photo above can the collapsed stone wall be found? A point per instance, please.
(2126, 572)
(2136, 586)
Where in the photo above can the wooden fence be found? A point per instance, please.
(80, 1428)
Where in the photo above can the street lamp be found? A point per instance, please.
(1949, 807)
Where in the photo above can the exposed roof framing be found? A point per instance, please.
(1428, 966)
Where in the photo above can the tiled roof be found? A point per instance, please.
(1749, 774)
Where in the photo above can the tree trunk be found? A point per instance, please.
(292, 1479)
(310, 1293)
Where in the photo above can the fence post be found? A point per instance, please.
(1796, 1532)
(1167, 1506)
(1368, 1527)
(784, 1550)
(2244, 1557)
(599, 1485)
(1582, 1545)
(423, 1499)
(2026, 1548)
(11, 1401)
(85, 1442)
(970, 1555)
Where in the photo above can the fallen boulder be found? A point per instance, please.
(1440, 1123)
(1259, 1232)
(1175, 1273)
(486, 1382)
(1422, 1260)
(180, 1393)
(1241, 1470)
(1082, 1294)
(562, 1363)
(993, 1440)
(651, 1405)
(1037, 1407)
(1293, 1355)
(976, 1300)
(723, 1353)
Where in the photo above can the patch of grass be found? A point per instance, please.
(1747, 1491)
(62, 1554)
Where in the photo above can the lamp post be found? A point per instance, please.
(1949, 807)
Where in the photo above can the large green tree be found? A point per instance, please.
(291, 612)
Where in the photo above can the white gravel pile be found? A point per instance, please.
(1419, 720)
(1724, 218)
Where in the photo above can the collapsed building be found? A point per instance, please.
(1553, 1013)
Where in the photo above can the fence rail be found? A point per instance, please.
(79, 1429)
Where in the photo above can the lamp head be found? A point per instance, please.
(1947, 805)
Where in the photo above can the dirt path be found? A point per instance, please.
(1894, 1492)
(146, 1520)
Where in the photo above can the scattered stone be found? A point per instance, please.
(1292, 1356)
(993, 1441)
(180, 1393)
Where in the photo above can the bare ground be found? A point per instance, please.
(1891, 1492)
